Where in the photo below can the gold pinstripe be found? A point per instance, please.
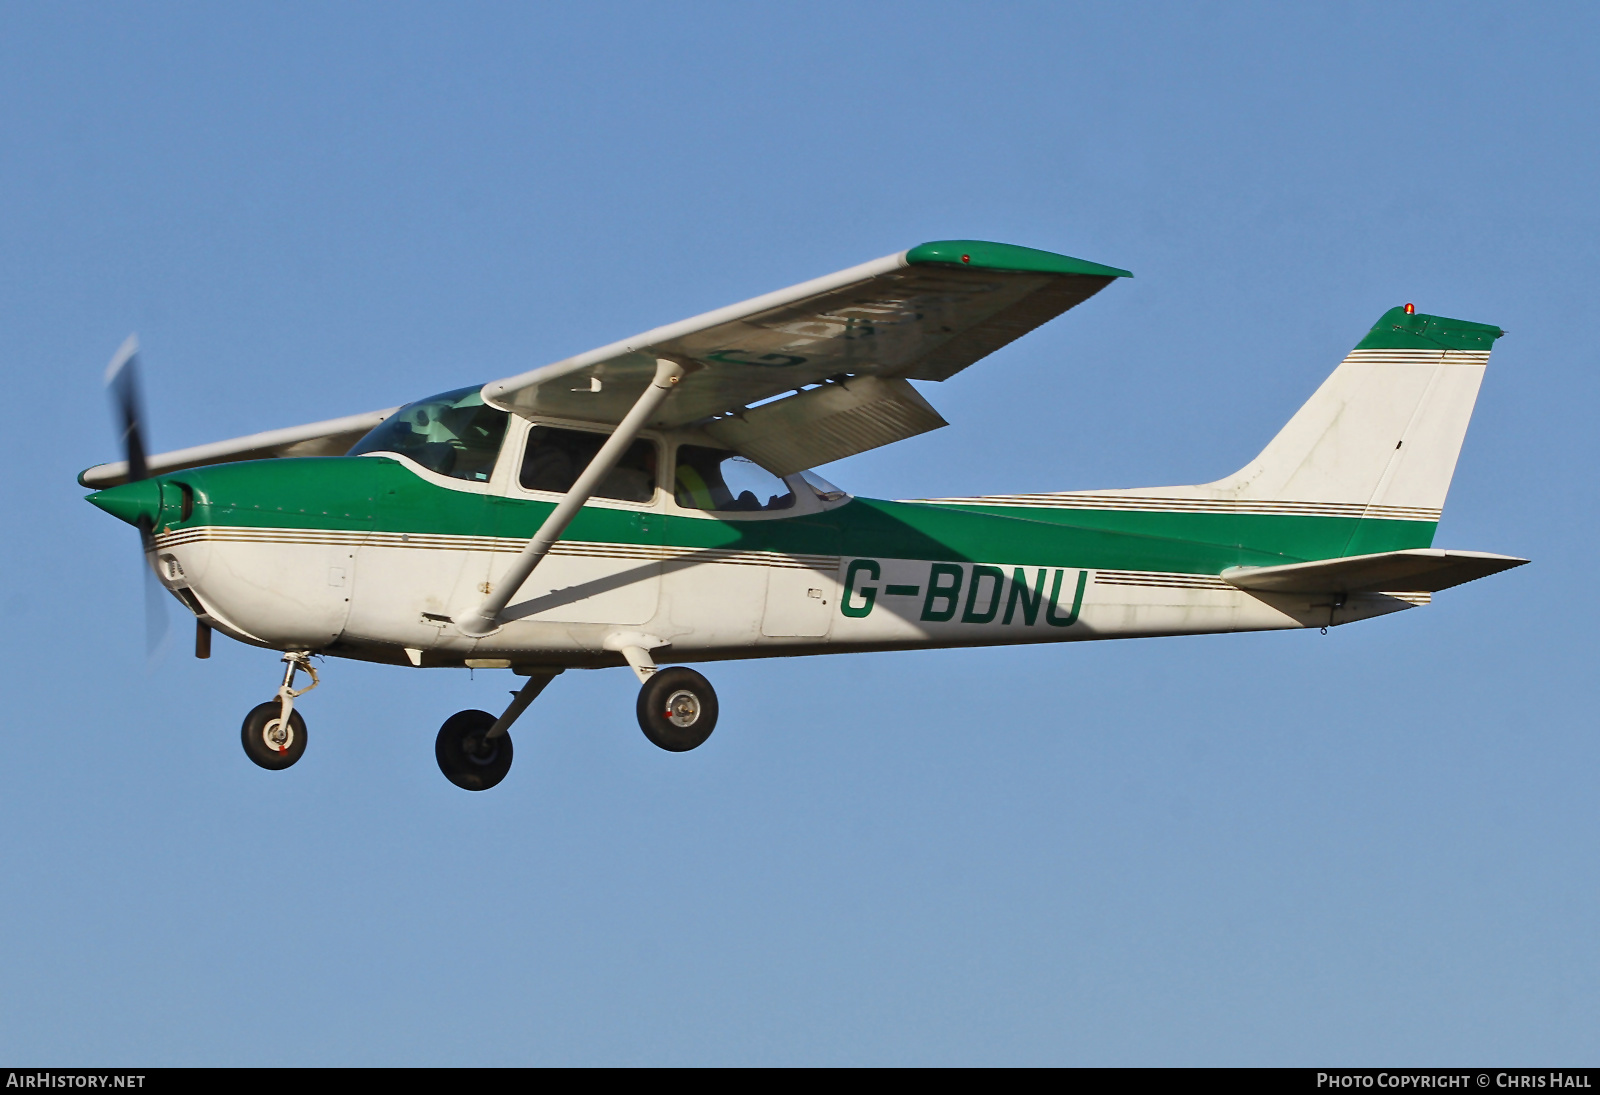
(499, 544)
(1074, 500)
(595, 550)
(1158, 579)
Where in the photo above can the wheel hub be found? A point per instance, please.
(480, 749)
(683, 708)
(277, 735)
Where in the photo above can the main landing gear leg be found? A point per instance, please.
(274, 733)
(474, 748)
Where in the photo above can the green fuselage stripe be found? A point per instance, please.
(373, 494)
(1294, 537)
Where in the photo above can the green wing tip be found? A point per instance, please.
(1402, 330)
(1007, 256)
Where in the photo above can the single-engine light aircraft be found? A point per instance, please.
(653, 500)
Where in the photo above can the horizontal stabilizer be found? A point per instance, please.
(1417, 570)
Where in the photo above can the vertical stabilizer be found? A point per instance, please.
(1362, 467)
(1384, 430)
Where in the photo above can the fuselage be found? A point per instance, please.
(373, 556)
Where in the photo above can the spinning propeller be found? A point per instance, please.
(122, 382)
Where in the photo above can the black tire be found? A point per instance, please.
(258, 735)
(461, 754)
(677, 709)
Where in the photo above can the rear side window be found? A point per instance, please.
(716, 479)
(555, 458)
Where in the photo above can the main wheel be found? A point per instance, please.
(465, 757)
(677, 709)
(267, 741)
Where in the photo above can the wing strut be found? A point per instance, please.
(486, 617)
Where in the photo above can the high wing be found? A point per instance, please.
(847, 344)
(332, 437)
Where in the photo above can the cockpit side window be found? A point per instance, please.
(716, 479)
(454, 434)
(554, 458)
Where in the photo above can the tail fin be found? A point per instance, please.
(1384, 430)
(1373, 448)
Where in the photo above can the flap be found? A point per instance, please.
(827, 423)
(1416, 570)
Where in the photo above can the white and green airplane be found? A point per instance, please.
(652, 500)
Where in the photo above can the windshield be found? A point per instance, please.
(823, 489)
(454, 434)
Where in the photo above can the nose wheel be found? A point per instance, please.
(270, 741)
(677, 709)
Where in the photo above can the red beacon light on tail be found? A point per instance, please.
(1411, 309)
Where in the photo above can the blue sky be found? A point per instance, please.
(1378, 846)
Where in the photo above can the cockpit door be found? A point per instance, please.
(606, 568)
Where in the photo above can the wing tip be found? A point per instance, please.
(984, 255)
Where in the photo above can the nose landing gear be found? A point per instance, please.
(274, 733)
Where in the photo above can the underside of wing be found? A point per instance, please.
(923, 314)
(332, 437)
(1416, 570)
